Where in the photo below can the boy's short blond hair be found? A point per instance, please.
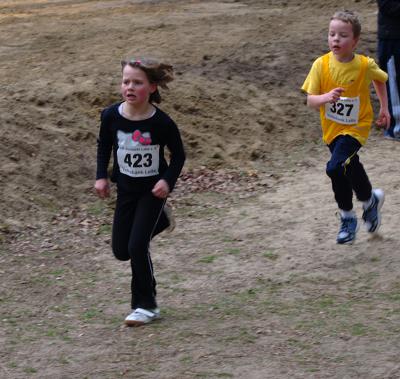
(350, 18)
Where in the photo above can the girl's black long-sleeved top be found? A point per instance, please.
(138, 150)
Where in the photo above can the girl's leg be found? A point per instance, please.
(162, 224)
(122, 224)
(147, 214)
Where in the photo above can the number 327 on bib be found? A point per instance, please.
(345, 111)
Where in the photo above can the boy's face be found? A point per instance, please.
(341, 40)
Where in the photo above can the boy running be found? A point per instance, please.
(338, 86)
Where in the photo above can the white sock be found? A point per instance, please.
(347, 214)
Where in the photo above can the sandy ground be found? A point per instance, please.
(251, 282)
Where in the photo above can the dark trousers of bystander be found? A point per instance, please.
(347, 173)
(388, 48)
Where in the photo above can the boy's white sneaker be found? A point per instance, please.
(142, 316)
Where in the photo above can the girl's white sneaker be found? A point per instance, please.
(142, 316)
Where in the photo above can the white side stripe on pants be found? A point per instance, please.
(394, 95)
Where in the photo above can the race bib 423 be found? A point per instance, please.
(137, 160)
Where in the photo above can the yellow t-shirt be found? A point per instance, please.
(352, 114)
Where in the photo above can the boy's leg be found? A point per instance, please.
(359, 179)
(343, 150)
(147, 214)
(372, 199)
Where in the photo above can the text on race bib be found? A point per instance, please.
(345, 111)
(137, 160)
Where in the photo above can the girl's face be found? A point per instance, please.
(341, 40)
(135, 87)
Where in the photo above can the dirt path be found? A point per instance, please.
(251, 283)
(252, 287)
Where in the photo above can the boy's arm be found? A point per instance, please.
(383, 119)
(315, 101)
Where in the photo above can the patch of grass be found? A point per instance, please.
(233, 250)
(63, 360)
(358, 330)
(271, 255)
(313, 369)
(45, 202)
(97, 208)
(91, 279)
(51, 333)
(247, 294)
(122, 301)
(313, 324)
(47, 253)
(104, 229)
(58, 272)
(245, 303)
(339, 359)
(213, 374)
(187, 359)
(207, 259)
(294, 342)
(240, 335)
(393, 296)
(91, 314)
(114, 321)
(176, 278)
(40, 279)
(325, 302)
(30, 370)
(205, 212)
(60, 308)
(175, 314)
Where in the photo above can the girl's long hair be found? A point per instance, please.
(157, 72)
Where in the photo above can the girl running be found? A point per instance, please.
(137, 132)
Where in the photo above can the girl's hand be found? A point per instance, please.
(161, 189)
(383, 120)
(102, 188)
